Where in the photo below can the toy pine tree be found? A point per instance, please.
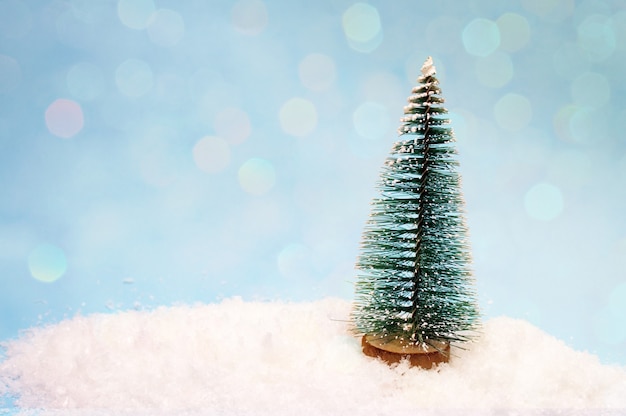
(414, 292)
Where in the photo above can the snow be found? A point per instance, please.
(245, 358)
(428, 69)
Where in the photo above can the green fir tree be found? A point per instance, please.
(414, 280)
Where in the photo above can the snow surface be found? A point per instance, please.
(244, 358)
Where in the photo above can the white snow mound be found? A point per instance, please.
(238, 357)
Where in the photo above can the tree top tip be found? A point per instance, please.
(428, 69)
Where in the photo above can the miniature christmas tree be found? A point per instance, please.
(414, 291)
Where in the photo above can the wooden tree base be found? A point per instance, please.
(419, 355)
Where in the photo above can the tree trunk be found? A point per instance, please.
(419, 355)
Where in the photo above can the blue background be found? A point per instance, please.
(162, 152)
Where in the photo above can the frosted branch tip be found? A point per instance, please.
(428, 69)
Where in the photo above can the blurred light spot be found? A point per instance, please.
(211, 154)
(317, 72)
(587, 125)
(250, 16)
(495, 70)
(569, 61)
(10, 74)
(233, 125)
(134, 78)
(298, 117)
(361, 25)
(581, 124)
(596, 37)
(481, 37)
(15, 19)
(554, 10)
(591, 89)
(617, 303)
(135, 13)
(514, 31)
(513, 112)
(618, 25)
(85, 81)
(543, 202)
(295, 262)
(562, 121)
(166, 28)
(371, 120)
(47, 263)
(257, 176)
(64, 118)
(361, 22)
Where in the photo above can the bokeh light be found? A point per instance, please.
(233, 124)
(591, 89)
(371, 120)
(561, 122)
(257, 176)
(134, 78)
(596, 37)
(543, 202)
(85, 81)
(513, 112)
(317, 72)
(211, 154)
(250, 16)
(618, 25)
(64, 118)
(495, 70)
(166, 27)
(15, 19)
(514, 31)
(361, 25)
(10, 74)
(47, 263)
(587, 125)
(481, 37)
(298, 117)
(135, 13)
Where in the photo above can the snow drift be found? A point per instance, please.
(277, 358)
